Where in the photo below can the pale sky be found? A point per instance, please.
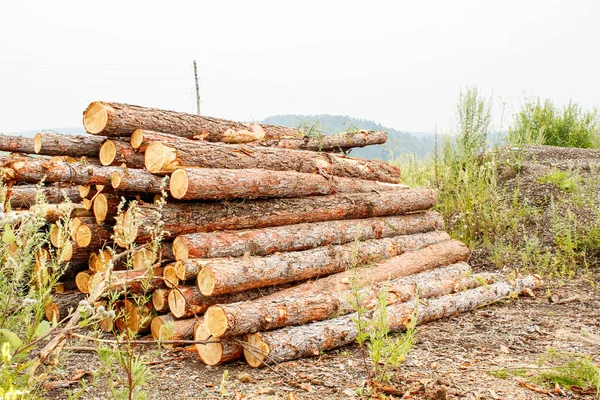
(400, 63)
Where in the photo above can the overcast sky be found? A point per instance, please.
(400, 63)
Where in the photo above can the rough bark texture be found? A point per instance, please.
(206, 217)
(119, 152)
(141, 139)
(165, 158)
(137, 181)
(92, 235)
(187, 300)
(130, 281)
(116, 119)
(54, 144)
(336, 142)
(265, 241)
(245, 317)
(216, 351)
(62, 305)
(230, 275)
(16, 144)
(132, 317)
(23, 196)
(310, 340)
(224, 184)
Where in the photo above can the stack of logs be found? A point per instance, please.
(268, 234)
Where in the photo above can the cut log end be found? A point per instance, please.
(210, 353)
(82, 280)
(84, 191)
(180, 249)
(54, 236)
(108, 152)
(160, 300)
(83, 235)
(100, 208)
(206, 281)
(178, 184)
(176, 303)
(170, 276)
(143, 259)
(87, 204)
(155, 157)
(95, 118)
(256, 350)
(137, 138)
(103, 260)
(115, 180)
(37, 143)
(52, 312)
(216, 321)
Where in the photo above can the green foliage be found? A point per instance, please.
(570, 369)
(564, 180)
(127, 371)
(544, 123)
(504, 373)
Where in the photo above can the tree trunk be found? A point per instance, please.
(62, 305)
(132, 317)
(130, 281)
(82, 280)
(51, 212)
(17, 144)
(206, 217)
(230, 275)
(167, 327)
(138, 181)
(160, 300)
(216, 351)
(310, 340)
(23, 196)
(106, 206)
(162, 158)
(116, 119)
(225, 184)
(265, 241)
(141, 139)
(54, 144)
(185, 301)
(223, 321)
(336, 142)
(119, 152)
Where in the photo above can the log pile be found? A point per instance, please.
(252, 239)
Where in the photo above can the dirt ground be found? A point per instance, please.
(452, 358)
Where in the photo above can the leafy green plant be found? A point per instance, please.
(566, 181)
(570, 369)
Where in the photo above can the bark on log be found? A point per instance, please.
(116, 119)
(62, 305)
(87, 172)
(24, 196)
(54, 144)
(16, 144)
(167, 327)
(138, 181)
(230, 275)
(94, 236)
(336, 142)
(206, 217)
(161, 158)
(216, 351)
(100, 261)
(222, 321)
(50, 212)
(119, 152)
(141, 139)
(133, 317)
(225, 184)
(128, 281)
(310, 340)
(105, 206)
(186, 301)
(265, 241)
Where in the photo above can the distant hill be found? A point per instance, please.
(399, 142)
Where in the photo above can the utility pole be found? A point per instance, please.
(197, 88)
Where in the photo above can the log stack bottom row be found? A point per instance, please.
(267, 233)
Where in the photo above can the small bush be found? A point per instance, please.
(544, 123)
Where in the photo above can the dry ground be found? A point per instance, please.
(451, 359)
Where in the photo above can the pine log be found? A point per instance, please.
(127, 281)
(141, 139)
(92, 235)
(161, 158)
(222, 322)
(24, 196)
(336, 142)
(54, 144)
(310, 340)
(265, 241)
(167, 327)
(216, 351)
(119, 152)
(100, 261)
(170, 277)
(62, 305)
(16, 144)
(105, 206)
(225, 184)
(206, 217)
(138, 181)
(160, 300)
(230, 275)
(133, 317)
(82, 281)
(301, 308)
(186, 301)
(116, 119)
(51, 212)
